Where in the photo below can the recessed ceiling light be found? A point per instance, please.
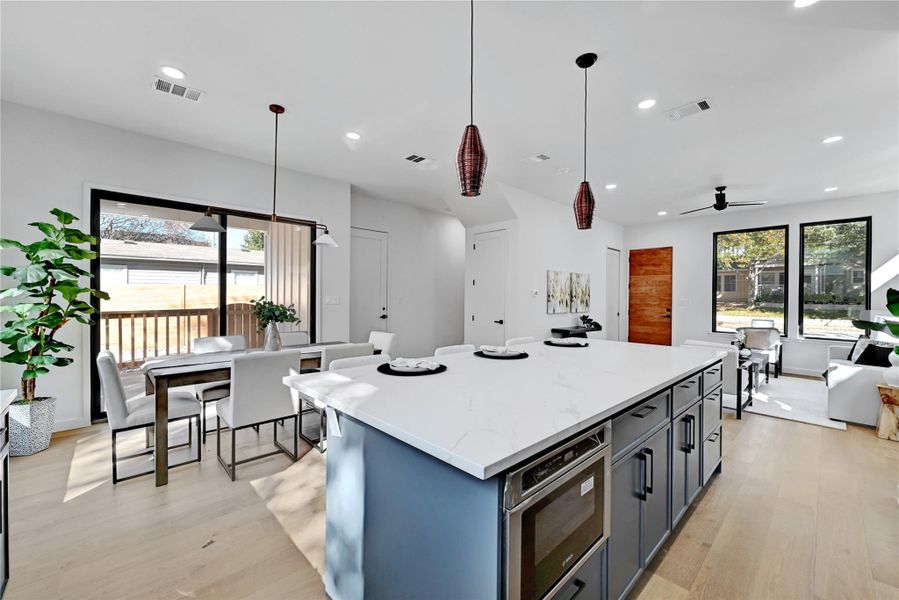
(648, 103)
(352, 135)
(121, 204)
(611, 186)
(831, 189)
(832, 139)
(803, 3)
(172, 72)
(145, 216)
(662, 213)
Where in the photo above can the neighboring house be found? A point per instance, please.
(135, 263)
(739, 285)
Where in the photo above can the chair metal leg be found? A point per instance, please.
(199, 442)
(115, 472)
(203, 409)
(233, 454)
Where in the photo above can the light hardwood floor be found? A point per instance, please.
(799, 512)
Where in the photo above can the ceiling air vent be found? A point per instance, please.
(537, 158)
(175, 89)
(414, 158)
(422, 163)
(689, 109)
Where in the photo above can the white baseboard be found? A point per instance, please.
(803, 372)
(67, 424)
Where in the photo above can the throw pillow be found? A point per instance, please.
(858, 347)
(875, 356)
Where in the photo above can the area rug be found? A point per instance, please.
(791, 398)
(296, 497)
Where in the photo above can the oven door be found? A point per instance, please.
(557, 529)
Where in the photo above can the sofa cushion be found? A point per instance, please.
(875, 355)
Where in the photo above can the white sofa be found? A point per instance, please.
(729, 364)
(852, 389)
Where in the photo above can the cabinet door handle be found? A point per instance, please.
(651, 468)
(642, 493)
(687, 429)
(643, 411)
(692, 432)
(580, 585)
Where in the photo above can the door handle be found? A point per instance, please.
(687, 428)
(651, 468)
(384, 316)
(642, 493)
(692, 432)
(499, 322)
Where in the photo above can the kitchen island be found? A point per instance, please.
(417, 502)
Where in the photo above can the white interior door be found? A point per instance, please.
(613, 293)
(488, 298)
(368, 283)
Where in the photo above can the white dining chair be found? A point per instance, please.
(518, 341)
(358, 361)
(383, 341)
(335, 351)
(457, 349)
(140, 413)
(294, 338)
(216, 390)
(258, 397)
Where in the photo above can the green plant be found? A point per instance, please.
(891, 328)
(50, 283)
(267, 312)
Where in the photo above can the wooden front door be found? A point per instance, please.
(649, 297)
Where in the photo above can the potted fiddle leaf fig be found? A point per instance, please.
(268, 315)
(46, 296)
(889, 327)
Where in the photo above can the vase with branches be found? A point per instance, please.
(47, 295)
(268, 315)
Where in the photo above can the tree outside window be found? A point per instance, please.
(750, 284)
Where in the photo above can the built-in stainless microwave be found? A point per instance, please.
(557, 514)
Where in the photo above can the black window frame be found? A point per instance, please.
(868, 234)
(786, 230)
(98, 194)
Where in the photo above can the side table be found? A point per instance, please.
(888, 419)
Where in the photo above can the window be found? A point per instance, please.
(752, 284)
(727, 283)
(836, 267)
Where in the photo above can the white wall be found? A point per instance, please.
(426, 268)
(542, 237)
(49, 158)
(692, 242)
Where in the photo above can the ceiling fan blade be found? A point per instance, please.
(697, 209)
(747, 203)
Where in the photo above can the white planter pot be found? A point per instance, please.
(30, 426)
(891, 377)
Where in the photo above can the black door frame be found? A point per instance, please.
(98, 194)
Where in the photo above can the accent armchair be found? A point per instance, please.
(765, 340)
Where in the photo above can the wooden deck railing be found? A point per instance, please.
(137, 336)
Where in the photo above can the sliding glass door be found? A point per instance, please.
(169, 284)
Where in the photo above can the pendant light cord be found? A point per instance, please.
(585, 124)
(275, 177)
(471, 68)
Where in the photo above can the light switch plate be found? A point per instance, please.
(332, 300)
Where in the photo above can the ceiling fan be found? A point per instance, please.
(721, 203)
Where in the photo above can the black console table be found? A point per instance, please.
(580, 332)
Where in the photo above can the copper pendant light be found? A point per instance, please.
(584, 202)
(471, 160)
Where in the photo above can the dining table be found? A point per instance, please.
(163, 374)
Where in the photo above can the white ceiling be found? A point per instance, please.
(779, 79)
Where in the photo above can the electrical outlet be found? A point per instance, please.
(332, 300)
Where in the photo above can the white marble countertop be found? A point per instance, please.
(7, 397)
(483, 416)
